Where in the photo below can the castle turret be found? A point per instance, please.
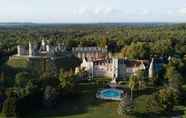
(115, 68)
(43, 43)
(30, 51)
(151, 69)
(18, 50)
(48, 48)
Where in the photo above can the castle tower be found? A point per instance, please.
(59, 47)
(151, 69)
(115, 69)
(48, 48)
(43, 43)
(30, 50)
(18, 50)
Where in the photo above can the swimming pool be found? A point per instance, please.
(110, 94)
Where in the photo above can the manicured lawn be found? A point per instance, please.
(18, 63)
(86, 105)
(141, 111)
(105, 110)
(82, 106)
(1, 115)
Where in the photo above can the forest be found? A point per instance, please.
(151, 39)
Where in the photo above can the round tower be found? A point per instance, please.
(151, 69)
(18, 50)
(30, 51)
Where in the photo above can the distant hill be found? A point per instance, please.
(12, 24)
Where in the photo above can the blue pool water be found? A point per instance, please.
(111, 93)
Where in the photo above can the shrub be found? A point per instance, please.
(9, 106)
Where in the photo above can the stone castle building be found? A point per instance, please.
(90, 53)
(98, 63)
(34, 50)
(114, 68)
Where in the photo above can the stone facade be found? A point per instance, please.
(98, 63)
(95, 60)
(36, 50)
(114, 68)
(90, 53)
(21, 50)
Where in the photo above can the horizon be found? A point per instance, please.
(148, 22)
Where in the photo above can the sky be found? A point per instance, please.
(92, 11)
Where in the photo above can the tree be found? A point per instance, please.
(172, 75)
(9, 106)
(167, 98)
(156, 79)
(142, 76)
(65, 81)
(25, 84)
(124, 52)
(178, 65)
(138, 50)
(22, 79)
(152, 104)
(133, 83)
(3, 58)
(125, 107)
(50, 95)
(71, 43)
(103, 42)
(184, 116)
(2, 98)
(32, 87)
(162, 47)
(68, 62)
(112, 46)
(87, 43)
(2, 81)
(176, 81)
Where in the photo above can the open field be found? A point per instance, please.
(82, 106)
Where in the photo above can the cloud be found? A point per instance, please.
(182, 11)
(140, 12)
(100, 11)
(169, 12)
(144, 12)
(108, 12)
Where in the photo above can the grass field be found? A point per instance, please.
(18, 63)
(1, 115)
(86, 105)
(82, 106)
